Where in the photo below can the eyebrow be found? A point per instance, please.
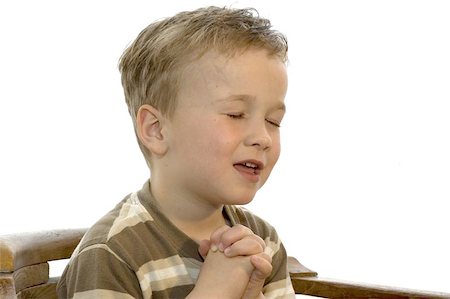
(247, 98)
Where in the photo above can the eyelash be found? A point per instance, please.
(241, 115)
(237, 115)
(273, 123)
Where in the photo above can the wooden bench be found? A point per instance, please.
(24, 271)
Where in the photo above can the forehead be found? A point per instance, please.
(252, 73)
(248, 100)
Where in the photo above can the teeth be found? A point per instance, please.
(251, 165)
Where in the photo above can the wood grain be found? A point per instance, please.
(296, 269)
(44, 291)
(7, 290)
(29, 276)
(26, 249)
(332, 288)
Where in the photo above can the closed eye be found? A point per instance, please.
(273, 123)
(235, 115)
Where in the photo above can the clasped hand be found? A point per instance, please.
(236, 265)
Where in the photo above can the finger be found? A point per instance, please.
(249, 245)
(204, 247)
(233, 235)
(216, 237)
(263, 265)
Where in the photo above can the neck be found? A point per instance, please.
(195, 217)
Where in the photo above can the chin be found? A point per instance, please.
(242, 200)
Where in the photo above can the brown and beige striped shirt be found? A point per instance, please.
(136, 252)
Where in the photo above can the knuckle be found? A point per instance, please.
(216, 235)
(257, 240)
(267, 258)
(243, 229)
(260, 241)
(257, 246)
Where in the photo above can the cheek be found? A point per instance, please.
(276, 144)
(276, 149)
(208, 139)
(218, 140)
(276, 155)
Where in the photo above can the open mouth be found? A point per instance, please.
(249, 167)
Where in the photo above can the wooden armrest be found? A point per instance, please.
(332, 288)
(25, 249)
(24, 268)
(305, 282)
(296, 269)
(24, 271)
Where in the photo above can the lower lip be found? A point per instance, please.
(252, 177)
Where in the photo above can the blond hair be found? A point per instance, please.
(151, 66)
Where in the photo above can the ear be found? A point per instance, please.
(149, 128)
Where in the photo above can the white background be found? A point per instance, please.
(361, 190)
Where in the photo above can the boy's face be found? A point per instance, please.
(223, 138)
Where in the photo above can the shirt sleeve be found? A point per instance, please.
(97, 272)
(278, 285)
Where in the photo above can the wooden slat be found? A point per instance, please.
(296, 269)
(7, 290)
(20, 250)
(44, 291)
(29, 276)
(331, 288)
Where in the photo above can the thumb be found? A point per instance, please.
(204, 247)
(262, 269)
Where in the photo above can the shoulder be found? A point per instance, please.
(110, 244)
(125, 214)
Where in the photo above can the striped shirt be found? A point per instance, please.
(136, 252)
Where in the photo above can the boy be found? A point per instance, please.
(205, 90)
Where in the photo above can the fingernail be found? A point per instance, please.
(221, 247)
(213, 248)
(227, 251)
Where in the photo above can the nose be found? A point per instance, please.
(259, 137)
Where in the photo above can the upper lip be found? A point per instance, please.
(252, 163)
